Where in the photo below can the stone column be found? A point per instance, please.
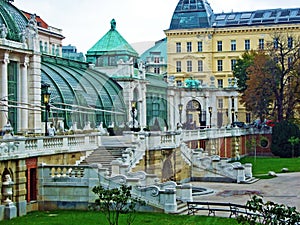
(4, 90)
(34, 93)
(229, 110)
(171, 109)
(24, 95)
(207, 104)
(143, 106)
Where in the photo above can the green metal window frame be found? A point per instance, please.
(12, 70)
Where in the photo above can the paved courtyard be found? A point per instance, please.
(285, 189)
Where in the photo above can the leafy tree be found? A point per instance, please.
(113, 202)
(285, 52)
(280, 72)
(269, 213)
(281, 134)
(240, 69)
(259, 96)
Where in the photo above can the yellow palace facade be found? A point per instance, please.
(203, 48)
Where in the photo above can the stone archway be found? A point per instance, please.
(195, 115)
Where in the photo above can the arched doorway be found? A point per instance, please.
(195, 116)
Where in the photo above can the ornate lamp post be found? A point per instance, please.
(133, 108)
(210, 114)
(46, 99)
(180, 107)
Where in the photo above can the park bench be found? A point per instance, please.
(212, 207)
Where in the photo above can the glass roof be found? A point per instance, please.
(13, 19)
(75, 86)
(198, 14)
(191, 14)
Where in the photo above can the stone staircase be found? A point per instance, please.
(104, 156)
(182, 208)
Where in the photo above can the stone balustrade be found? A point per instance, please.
(24, 147)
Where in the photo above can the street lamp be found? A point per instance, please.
(133, 107)
(46, 99)
(210, 114)
(180, 107)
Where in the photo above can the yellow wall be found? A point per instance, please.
(210, 55)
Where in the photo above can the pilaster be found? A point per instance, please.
(23, 118)
(34, 93)
(4, 89)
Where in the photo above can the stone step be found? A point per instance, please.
(104, 156)
(182, 208)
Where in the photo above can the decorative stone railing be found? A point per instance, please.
(76, 182)
(189, 135)
(23, 147)
(222, 166)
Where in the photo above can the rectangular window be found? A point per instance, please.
(178, 66)
(200, 66)
(290, 42)
(261, 44)
(179, 83)
(178, 47)
(57, 50)
(200, 46)
(247, 45)
(233, 62)
(220, 103)
(220, 65)
(233, 45)
(156, 59)
(189, 46)
(220, 83)
(53, 49)
(220, 46)
(112, 61)
(156, 70)
(41, 46)
(46, 47)
(189, 66)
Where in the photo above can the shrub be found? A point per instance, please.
(281, 133)
(269, 213)
(113, 202)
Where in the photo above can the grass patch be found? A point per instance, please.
(91, 217)
(262, 165)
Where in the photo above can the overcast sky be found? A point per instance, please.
(84, 22)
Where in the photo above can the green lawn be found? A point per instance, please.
(262, 165)
(93, 218)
